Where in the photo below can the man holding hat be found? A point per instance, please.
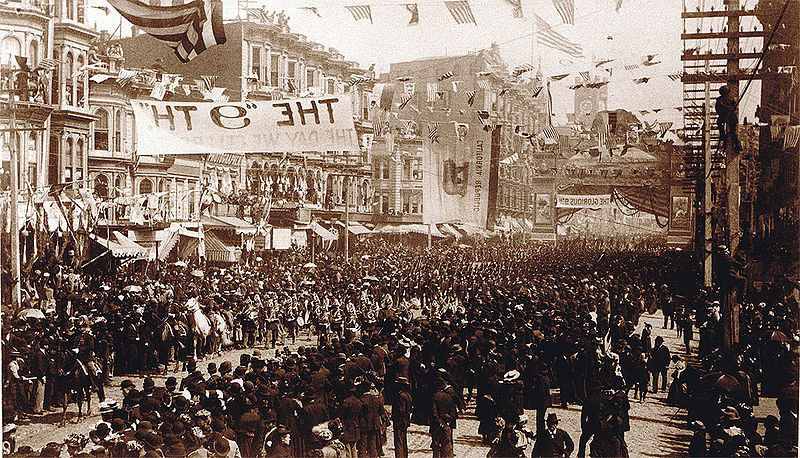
(553, 442)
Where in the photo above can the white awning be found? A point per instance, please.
(322, 232)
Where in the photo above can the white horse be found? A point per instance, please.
(200, 324)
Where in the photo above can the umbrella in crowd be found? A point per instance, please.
(31, 314)
(309, 265)
(133, 289)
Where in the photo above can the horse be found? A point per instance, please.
(199, 324)
(72, 377)
(220, 337)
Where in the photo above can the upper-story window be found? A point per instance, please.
(101, 131)
(255, 62)
(292, 72)
(310, 74)
(146, 186)
(69, 5)
(9, 48)
(81, 11)
(33, 54)
(118, 132)
(274, 70)
(68, 69)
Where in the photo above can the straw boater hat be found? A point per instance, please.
(510, 376)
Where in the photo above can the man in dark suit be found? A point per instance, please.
(443, 420)
(371, 414)
(401, 417)
(553, 442)
(350, 414)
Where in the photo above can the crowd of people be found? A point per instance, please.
(404, 335)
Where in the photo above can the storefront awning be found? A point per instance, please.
(228, 222)
(323, 233)
(122, 249)
(449, 230)
(356, 228)
(408, 228)
(218, 251)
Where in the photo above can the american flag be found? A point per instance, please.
(433, 88)
(360, 12)
(258, 14)
(483, 84)
(209, 82)
(47, 64)
(158, 91)
(546, 36)
(604, 137)
(433, 131)
(585, 76)
(550, 132)
(641, 80)
(520, 69)
(125, 76)
(445, 75)
(517, 5)
(471, 97)
(537, 91)
(675, 77)
(566, 9)
(791, 136)
(664, 127)
(461, 11)
(189, 28)
(404, 101)
(409, 87)
(290, 85)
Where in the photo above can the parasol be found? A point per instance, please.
(308, 283)
(198, 273)
(180, 264)
(778, 336)
(309, 265)
(31, 313)
(133, 289)
(371, 278)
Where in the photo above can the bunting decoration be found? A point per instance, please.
(158, 91)
(631, 67)
(433, 131)
(360, 12)
(566, 9)
(520, 69)
(432, 89)
(258, 15)
(791, 136)
(537, 91)
(209, 82)
(125, 76)
(559, 77)
(675, 77)
(414, 10)
(291, 86)
(189, 28)
(517, 5)
(471, 97)
(550, 132)
(404, 101)
(313, 9)
(483, 84)
(355, 80)
(641, 80)
(445, 76)
(546, 36)
(461, 11)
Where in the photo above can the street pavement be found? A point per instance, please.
(657, 429)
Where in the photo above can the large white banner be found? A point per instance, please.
(456, 158)
(583, 201)
(291, 125)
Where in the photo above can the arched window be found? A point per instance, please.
(33, 54)
(68, 70)
(118, 131)
(82, 11)
(79, 82)
(68, 160)
(79, 160)
(145, 186)
(101, 186)
(69, 5)
(9, 48)
(101, 130)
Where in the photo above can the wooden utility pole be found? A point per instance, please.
(347, 218)
(707, 208)
(732, 157)
(16, 293)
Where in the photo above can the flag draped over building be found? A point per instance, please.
(461, 12)
(189, 28)
(566, 9)
(360, 12)
(546, 36)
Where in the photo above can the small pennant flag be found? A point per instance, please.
(679, 108)
(47, 64)
(432, 89)
(414, 10)
(675, 77)
(656, 110)
(159, 89)
(791, 136)
(550, 132)
(619, 5)
(445, 75)
(649, 60)
(291, 86)
(585, 76)
(455, 85)
(125, 76)
(313, 9)
(404, 101)
(484, 73)
(664, 127)
(209, 82)
(630, 67)
(644, 112)
(517, 5)
(537, 91)
(360, 12)
(641, 80)
(404, 78)
(520, 69)
(471, 97)
(603, 62)
(559, 77)
(433, 131)
(461, 12)
(610, 71)
(483, 84)
(566, 9)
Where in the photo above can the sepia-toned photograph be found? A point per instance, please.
(399, 228)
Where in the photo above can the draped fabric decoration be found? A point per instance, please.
(546, 36)
(445, 76)
(208, 82)
(663, 128)
(537, 91)
(189, 28)
(360, 79)
(517, 5)
(675, 77)
(433, 131)
(158, 91)
(461, 12)
(414, 10)
(566, 9)
(125, 76)
(520, 69)
(585, 76)
(550, 132)
(360, 12)
(791, 136)
(404, 101)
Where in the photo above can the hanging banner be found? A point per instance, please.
(457, 173)
(583, 201)
(306, 124)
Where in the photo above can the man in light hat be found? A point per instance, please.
(553, 442)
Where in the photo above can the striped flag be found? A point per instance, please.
(517, 5)
(537, 91)
(404, 101)
(433, 88)
(445, 75)
(158, 91)
(520, 69)
(125, 76)
(189, 28)
(258, 14)
(461, 11)
(290, 85)
(414, 10)
(566, 9)
(209, 82)
(47, 64)
(550, 132)
(546, 36)
(409, 87)
(585, 76)
(360, 12)
(675, 77)
(791, 136)
(483, 84)
(664, 127)
(433, 131)
(631, 67)
(471, 97)
(360, 79)
(604, 137)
